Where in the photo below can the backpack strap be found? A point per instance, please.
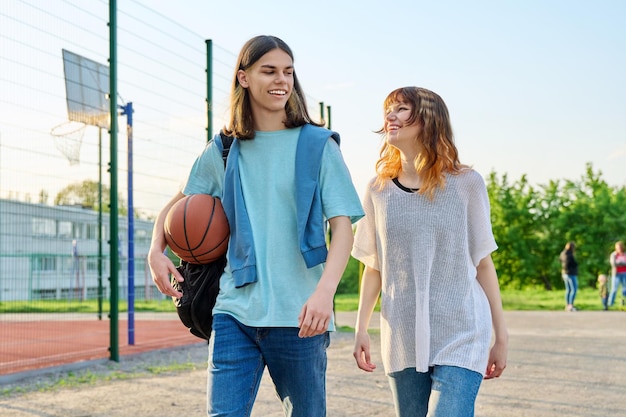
(226, 142)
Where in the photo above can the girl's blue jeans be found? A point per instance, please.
(443, 391)
(571, 287)
(616, 281)
(238, 355)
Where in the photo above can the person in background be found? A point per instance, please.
(618, 272)
(426, 243)
(284, 177)
(569, 272)
(603, 291)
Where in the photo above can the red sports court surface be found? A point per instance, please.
(29, 342)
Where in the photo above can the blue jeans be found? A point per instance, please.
(238, 355)
(571, 287)
(443, 391)
(618, 279)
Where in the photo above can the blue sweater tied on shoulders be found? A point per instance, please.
(311, 226)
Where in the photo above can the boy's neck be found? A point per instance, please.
(268, 121)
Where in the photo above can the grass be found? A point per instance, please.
(526, 299)
(79, 378)
(87, 306)
(111, 372)
(586, 299)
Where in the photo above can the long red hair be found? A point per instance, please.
(439, 154)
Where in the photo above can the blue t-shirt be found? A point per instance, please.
(267, 172)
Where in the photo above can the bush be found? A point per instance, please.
(349, 283)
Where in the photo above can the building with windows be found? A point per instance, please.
(52, 252)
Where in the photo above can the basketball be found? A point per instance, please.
(196, 229)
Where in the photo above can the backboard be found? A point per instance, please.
(86, 89)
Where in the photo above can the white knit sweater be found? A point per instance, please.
(433, 310)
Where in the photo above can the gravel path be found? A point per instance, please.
(560, 364)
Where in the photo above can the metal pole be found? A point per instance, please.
(322, 112)
(1, 231)
(127, 110)
(114, 229)
(209, 88)
(100, 289)
(328, 112)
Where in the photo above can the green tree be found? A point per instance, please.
(514, 222)
(532, 225)
(85, 194)
(551, 231)
(594, 218)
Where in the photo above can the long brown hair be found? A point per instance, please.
(439, 154)
(241, 123)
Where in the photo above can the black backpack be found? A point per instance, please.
(201, 284)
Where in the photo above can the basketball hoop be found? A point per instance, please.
(68, 137)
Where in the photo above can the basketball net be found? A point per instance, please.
(68, 137)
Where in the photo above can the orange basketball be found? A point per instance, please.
(196, 229)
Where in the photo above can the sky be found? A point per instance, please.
(533, 87)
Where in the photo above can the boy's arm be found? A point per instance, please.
(318, 310)
(160, 265)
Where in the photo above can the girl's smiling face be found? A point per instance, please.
(401, 131)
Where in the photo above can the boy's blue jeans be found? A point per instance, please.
(443, 391)
(238, 355)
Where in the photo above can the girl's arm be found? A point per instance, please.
(371, 285)
(488, 280)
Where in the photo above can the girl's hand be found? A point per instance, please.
(497, 361)
(362, 352)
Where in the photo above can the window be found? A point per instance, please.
(92, 264)
(43, 227)
(92, 232)
(68, 264)
(78, 232)
(45, 263)
(65, 229)
(45, 294)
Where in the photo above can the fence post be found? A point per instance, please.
(114, 240)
